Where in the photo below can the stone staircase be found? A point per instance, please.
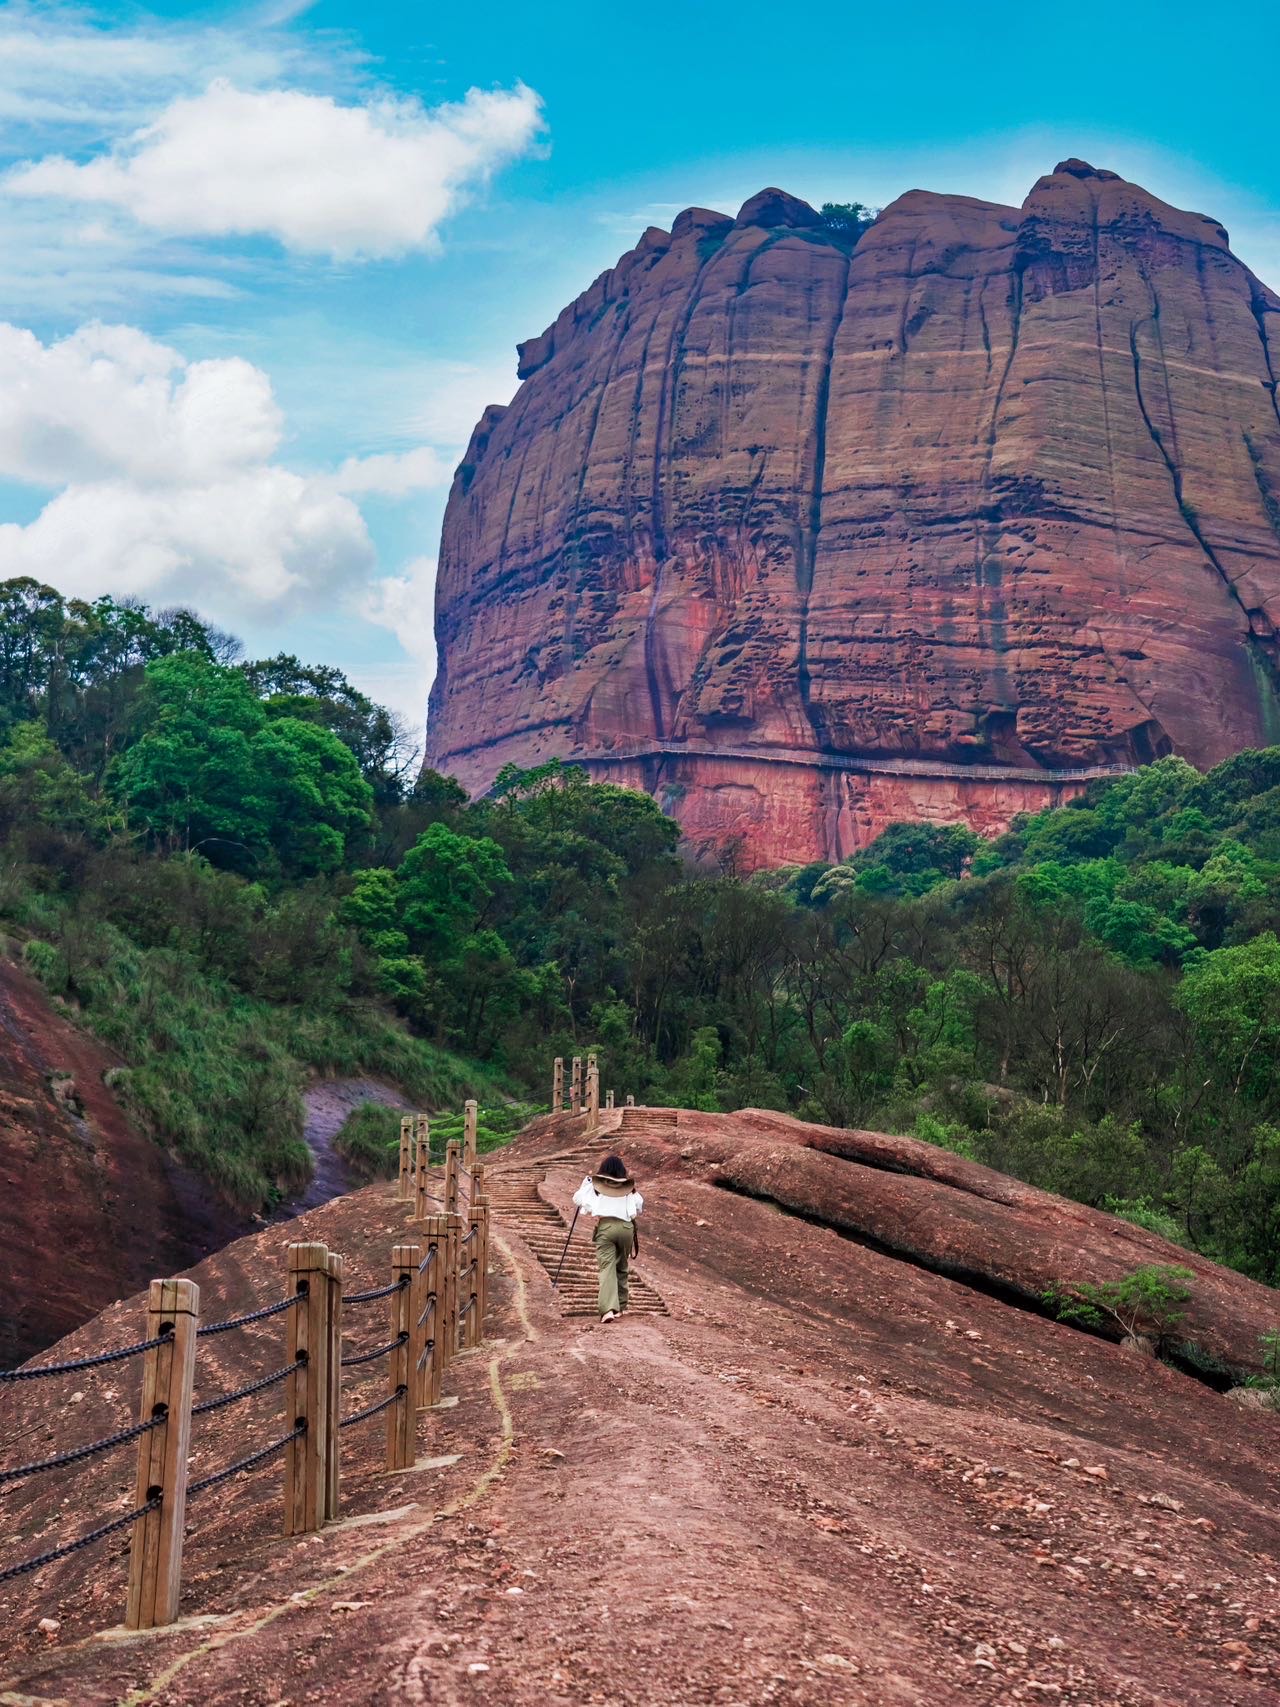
(648, 1123)
(513, 1195)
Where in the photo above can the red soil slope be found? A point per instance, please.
(89, 1207)
(828, 1476)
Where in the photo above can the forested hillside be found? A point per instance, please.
(228, 870)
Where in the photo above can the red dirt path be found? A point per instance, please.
(827, 1477)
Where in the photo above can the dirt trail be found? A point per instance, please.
(825, 1477)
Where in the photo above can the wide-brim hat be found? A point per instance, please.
(608, 1186)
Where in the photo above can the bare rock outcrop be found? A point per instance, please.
(805, 536)
(958, 1218)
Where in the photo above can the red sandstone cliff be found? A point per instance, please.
(806, 540)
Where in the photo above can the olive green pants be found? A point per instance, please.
(614, 1242)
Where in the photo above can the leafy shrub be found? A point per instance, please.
(369, 1141)
(1268, 1379)
(43, 959)
(955, 1138)
(1144, 1213)
(847, 220)
(1148, 1302)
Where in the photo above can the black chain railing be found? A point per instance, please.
(104, 1529)
(209, 1405)
(372, 1356)
(372, 1410)
(222, 1401)
(249, 1463)
(253, 1316)
(377, 1292)
(79, 1363)
(77, 1453)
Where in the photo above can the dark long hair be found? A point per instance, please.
(613, 1167)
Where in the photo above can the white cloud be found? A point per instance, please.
(109, 400)
(263, 538)
(405, 604)
(167, 485)
(367, 180)
(57, 268)
(392, 474)
(59, 66)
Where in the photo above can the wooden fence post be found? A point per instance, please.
(471, 1291)
(440, 1352)
(403, 1191)
(168, 1375)
(482, 1272)
(423, 1167)
(444, 1298)
(557, 1084)
(575, 1086)
(333, 1270)
(470, 1115)
(480, 1200)
(593, 1095)
(631, 1102)
(306, 1462)
(429, 1382)
(402, 1444)
(455, 1288)
(608, 1100)
(452, 1159)
(419, 1329)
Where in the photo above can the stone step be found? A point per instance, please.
(514, 1196)
(649, 1120)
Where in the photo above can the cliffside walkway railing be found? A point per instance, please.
(437, 1304)
(947, 770)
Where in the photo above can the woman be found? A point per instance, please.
(610, 1195)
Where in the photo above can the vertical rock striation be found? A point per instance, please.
(806, 537)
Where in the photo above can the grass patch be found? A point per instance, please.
(216, 1073)
(369, 1141)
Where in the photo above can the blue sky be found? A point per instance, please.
(261, 267)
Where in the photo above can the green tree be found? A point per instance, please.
(444, 885)
(210, 771)
(917, 857)
(1232, 995)
(39, 790)
(322, 695)
(847, 221)
(1150, 1301)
